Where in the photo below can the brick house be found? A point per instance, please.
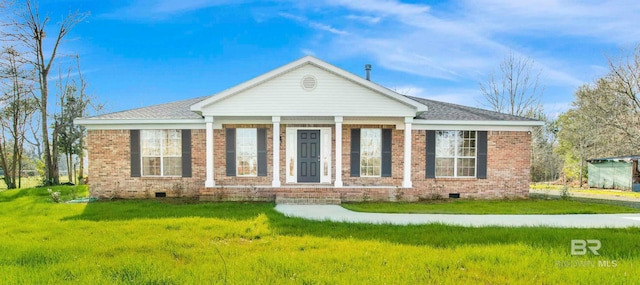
(309, 130)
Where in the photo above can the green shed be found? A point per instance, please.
(615, 173)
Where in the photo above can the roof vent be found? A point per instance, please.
(367, 69)
(309, 83)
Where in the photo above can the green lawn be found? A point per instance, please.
(185, 242)
(27, 182)
(543, 186)
(30, 182)
(530, 206)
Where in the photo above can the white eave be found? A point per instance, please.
(478, 122)
(127, 124)
(479, 125)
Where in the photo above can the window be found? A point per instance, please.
(246, 152)
(370, 152)
(455, 154)
(161, 152)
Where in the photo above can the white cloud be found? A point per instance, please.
(554, 110)
(327, 28)
(161, 9)
(409, 90)
(468, 39)
(172, 6)
(366, 19)
(607, 20)
(462, 96)
(308, 52)
(313, 24)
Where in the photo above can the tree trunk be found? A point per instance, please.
(55, 168)
(81, 166)
(70, 167)
(8, 178)
(581, 169)
(48, 165)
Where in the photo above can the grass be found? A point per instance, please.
(30, 182)
(530, 206)
(185, 242)
(545, 186)
(609, 192)
(550, 187)
(27, 182)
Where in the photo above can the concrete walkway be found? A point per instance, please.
(338, 214)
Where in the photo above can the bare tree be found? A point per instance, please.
(18, 105)
(28, 28)
(515, 89)
(622, 85)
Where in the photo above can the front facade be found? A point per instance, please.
(309, 130)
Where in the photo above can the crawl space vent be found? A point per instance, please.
(309, 83)
(454, 195)
(161, 194)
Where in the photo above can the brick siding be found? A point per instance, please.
(508, 163)
(110, 172)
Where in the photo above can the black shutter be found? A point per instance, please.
(134, 145)
(262, 152)
(386, 153)
(431, 154)
(231, 151)
(355, 152)
(186, 153)
(481, 172)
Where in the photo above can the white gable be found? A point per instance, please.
(335, 93)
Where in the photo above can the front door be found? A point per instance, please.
(309, 156)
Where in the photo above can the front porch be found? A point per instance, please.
(287, 157)
(309, 194)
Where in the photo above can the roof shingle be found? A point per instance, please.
(437, 111)
(453, 112)
(173, 110)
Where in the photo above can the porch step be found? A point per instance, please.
(309, 198)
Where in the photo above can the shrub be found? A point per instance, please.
(55, 196)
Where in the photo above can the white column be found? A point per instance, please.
(406, 180)
(276, 152)
(209, 152)
(338, 182)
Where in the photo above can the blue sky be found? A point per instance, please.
(144, 52)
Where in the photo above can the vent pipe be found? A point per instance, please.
(367, 69)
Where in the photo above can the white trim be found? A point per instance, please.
(239, 134)
(363, 137)
(276, 152)
(478, 123)
(162, 156)
(338, 175)
(87, 122)
(198, 107)
(198, 126)
(471, 128)
(210, 180)
(455, 158)
(406, 178)
(292, 151)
